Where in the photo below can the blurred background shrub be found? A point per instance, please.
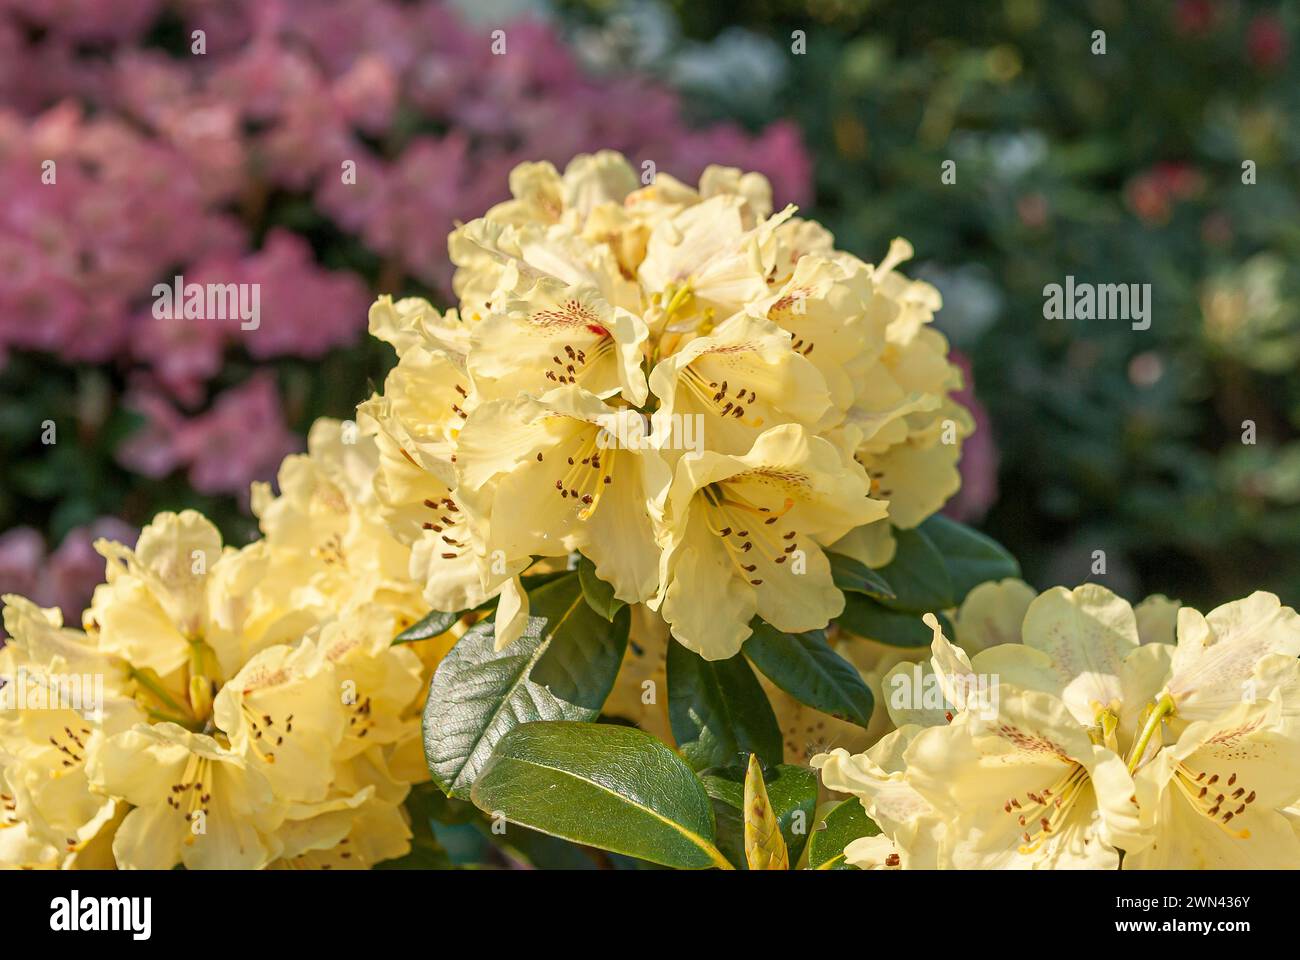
(1117, 168)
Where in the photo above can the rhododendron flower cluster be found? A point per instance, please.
(697, 393)
(247, 710)
(1156, 737)
(668, 430)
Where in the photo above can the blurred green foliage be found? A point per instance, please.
(1125, 167)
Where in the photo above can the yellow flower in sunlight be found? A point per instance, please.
(913, 829)
(195, 802)
(553, 333)
(738, 382)
(1216, 798)
(903, 427)
(360, 823)
(245, 707)
(1236, 652)
(283, 715)
(154, 608)
(743, 536)
(1026, 788)
(326, 535)
(61, 695)
(546, 476)
(1098, 739)
(695, 310)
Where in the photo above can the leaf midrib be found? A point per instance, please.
(698, 841)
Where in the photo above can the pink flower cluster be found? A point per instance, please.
(201, 164)
(241, 438)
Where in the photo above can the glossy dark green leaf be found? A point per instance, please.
(718, 711)
(870, 619)
(562, 668)
(805, 666)
(970, 556)
(844, 824)
(792, 792)
(856, 577)
(434, 625)
(612, 787)
(917, 575)
(599, 594)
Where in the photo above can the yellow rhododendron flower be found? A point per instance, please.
(194, 801)
(1098, 748)
(740, 380)
(554, 334)
(61, 696)
(992, 614)
(561, 472)
(244, 707)
(641, 331)
(1216, 798)
(914, 829)
(744, 537)
(1218, 658)
(696, 393)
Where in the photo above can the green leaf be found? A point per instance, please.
(718, 711)
(918, 575)
(599, 594)
(805, 666)
(856, 577)
(435, 624)
(611, 787)
(792, 794)
(970, 556)
(844, 824)
(870, 619)
(562, 668)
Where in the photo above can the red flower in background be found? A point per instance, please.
(1266, 41)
